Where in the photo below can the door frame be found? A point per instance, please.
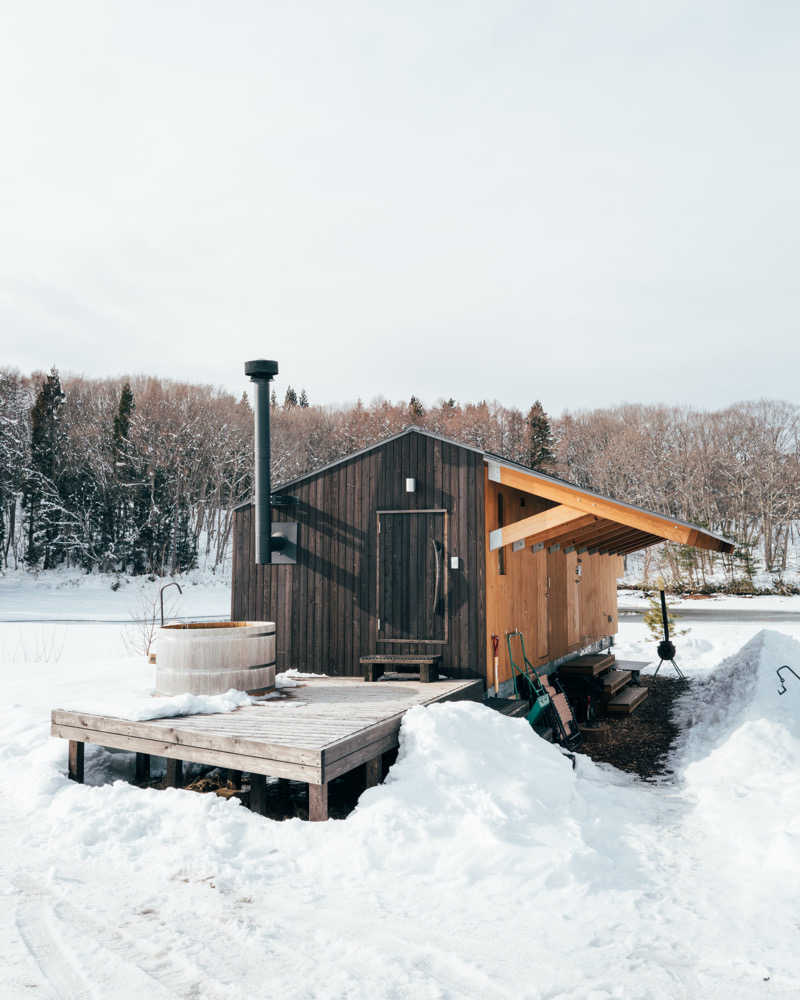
(445, 589)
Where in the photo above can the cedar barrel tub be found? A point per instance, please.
(212, 657)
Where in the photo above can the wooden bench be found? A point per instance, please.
(427, 665)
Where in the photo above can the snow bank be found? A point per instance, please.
(484, 866)
(739, 760)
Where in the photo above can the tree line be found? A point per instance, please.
(141, 475)
(134, 475)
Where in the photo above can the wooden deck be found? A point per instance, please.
(313, 733)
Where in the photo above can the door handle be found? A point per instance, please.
(437, 574)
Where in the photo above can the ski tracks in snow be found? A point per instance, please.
(80, 958)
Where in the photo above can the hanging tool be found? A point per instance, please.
(495, 644)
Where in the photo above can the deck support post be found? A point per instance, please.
(258, 794)
(317, 803)
(374, 771)
(75, 761)
(174, 773)
(372, 671)
(142, 769)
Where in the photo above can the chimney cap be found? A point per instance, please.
(261, 369)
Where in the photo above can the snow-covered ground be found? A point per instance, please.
(67, 595)
(721, 602)
(485, 866)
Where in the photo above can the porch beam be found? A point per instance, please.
(540, 527)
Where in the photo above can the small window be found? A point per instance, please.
(501, 552)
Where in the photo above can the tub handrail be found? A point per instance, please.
(172, 583)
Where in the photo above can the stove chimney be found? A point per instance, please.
(262, 372)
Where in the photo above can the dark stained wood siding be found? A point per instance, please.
(325, 606)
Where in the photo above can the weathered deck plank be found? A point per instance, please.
(315, 733)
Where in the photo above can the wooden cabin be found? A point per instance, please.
(421, 545)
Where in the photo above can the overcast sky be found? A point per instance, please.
(582, 202)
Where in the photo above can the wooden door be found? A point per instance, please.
(542, 583)
(412, 576)
(573, 583)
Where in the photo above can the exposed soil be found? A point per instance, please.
(639, 742)
(288, 799)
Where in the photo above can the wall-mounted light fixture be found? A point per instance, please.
(411, 485)
(455, 562)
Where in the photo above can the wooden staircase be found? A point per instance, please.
(597, 684)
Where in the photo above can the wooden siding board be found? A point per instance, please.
(351, 563)
(250, 603)
(476, 578)
(316, 496)
(325, 606)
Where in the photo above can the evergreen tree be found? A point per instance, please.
(541, 443)
(303, 403)
(186, 543)
(40, 500)
(273, 400)
(290, 399)
(415, 408)
(653, 619)
(119, 526)
(122, 420)
(449, 404)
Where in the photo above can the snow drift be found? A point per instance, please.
(483, 866)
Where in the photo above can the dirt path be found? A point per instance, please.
(640, 742)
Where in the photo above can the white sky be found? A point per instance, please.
(583, 202)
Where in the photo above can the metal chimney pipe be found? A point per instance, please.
(262, 373)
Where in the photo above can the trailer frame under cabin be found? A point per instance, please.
(414, 551)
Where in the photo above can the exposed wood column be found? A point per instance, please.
(142, 770)
(258, 794)
(317, 803)
(75, 761)
(374, 771)
(174, 773)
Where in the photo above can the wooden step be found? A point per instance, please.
(614, 681)
(627, 701)
(587, 666)
(635, 667)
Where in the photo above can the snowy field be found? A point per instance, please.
(484, 867)
(721, 602)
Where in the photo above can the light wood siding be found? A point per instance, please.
(541, 593)
(325, 605)
(517, 598)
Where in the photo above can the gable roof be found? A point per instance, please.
(616, 526)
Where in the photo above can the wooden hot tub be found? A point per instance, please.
(212, 657)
